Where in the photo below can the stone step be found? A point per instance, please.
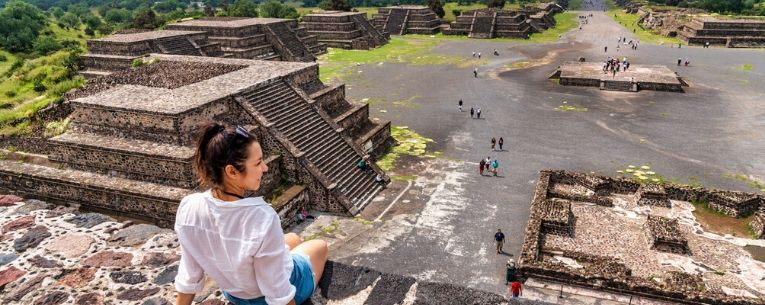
(106, 62)
(91, 73)
(132, 198)
(137, 159)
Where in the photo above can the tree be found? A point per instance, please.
(243, 8)
(45, 45)
(496, 3)
(438, 7)
(168, 6)
(146, 18)
(118, 15)
(274, 9)
(335, 5)
(70, 20)
(56, 12)
(20, 24)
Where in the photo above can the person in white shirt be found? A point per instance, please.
(237, 240)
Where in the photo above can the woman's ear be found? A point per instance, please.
(230, 171)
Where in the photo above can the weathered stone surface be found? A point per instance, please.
(340, 281)
(158, 259)
(90, 299)
(9, 275)
(7, 258)
(25, 288)
(390, 289)
(41, 262)
(167, 275)
(32, 238)
(135, 294)
(135, 235)
(78, 278)
(439, 293)
(156, 301)
(70, 245)
(127, 277)
(109, 259)
(21, 223)
(53, 298)
(89, 220)
(60, 210)
(32, 205)
(9, 200)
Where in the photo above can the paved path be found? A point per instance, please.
(441, 229)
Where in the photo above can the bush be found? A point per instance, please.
(39, 87)
(3, 58)
(456, 12)
(45, 45)
(10, 93)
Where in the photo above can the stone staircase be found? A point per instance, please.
(283, 37)
(482, 27)
(178, 45)
(280, 107)
(370, 31)
(395, 22)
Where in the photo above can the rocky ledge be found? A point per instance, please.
(57, 255)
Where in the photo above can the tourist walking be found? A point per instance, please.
(493, 142)
(236, 240)
(471, 112)
(479, 55)
(499, 237)
(605, 49)
(459, 105)
(679, 61)
(487, 163)
(501, 142)
(473, 53)
(496, 53)
(475, 72)
(687, 61)
(494, 166)
(481, 166)
(516, 289)
(478, 113)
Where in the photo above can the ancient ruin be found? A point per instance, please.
(655, 251)
(406, 19)
(541, 17)
(117, 52)
(347, 30)
(258, 38)
(731, 33)
(129, 147)
(245, 38)
(490, 23)
(638, 77)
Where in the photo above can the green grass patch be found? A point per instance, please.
(409, 49)
(404, 177)
(751, 182)
(564, 22)
(409, 143)
(715, 221)
(574, 5)
(566, 107)
(630, 22)
(746, 67)
(6, 64)
(35, 85)
(518, 65)
(642, 174)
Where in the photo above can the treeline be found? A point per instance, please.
(744, 7)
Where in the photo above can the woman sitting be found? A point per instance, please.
(237, 240)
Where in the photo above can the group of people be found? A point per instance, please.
(494, 143)
(475, 112)
(488, 165)
(615, 65)
(680, 61)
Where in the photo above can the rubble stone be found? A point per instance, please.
(31, 238)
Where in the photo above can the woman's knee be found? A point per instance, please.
(292, 240)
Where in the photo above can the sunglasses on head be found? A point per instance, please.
(238, 131)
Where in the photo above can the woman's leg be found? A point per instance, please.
(292, 240)
(318, 253)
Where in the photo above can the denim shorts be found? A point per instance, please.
(301, 278)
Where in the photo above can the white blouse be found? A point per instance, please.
(239, 244)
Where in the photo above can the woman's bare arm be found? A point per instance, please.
(184, 298)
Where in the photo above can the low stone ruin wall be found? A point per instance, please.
(118, 48)
(758, 224)
(666, 235)
(610, 274)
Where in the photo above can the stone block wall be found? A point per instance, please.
(666, 235)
